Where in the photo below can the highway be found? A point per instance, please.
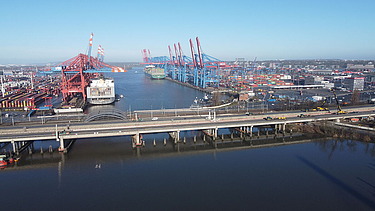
(167, 124)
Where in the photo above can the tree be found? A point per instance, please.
(355, 97)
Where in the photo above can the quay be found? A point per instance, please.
(18, 136)
(206, 90)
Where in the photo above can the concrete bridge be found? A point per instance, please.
(18, 136)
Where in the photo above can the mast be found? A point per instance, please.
(2, 84)
(90, 48)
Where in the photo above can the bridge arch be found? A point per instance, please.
(105, 114)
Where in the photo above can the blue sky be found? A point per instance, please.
(47, 30)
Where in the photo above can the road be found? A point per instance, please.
(166, 124)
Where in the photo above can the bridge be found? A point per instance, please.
(105, 114)
(18, 135)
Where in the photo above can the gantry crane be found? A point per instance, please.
(77, 72)
(201, 70)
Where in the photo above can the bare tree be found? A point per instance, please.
(355, 97)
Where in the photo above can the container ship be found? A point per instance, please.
(101, 91)
(154, 72)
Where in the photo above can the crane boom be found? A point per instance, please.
(339, 110)
(201, 65)
(193, 54)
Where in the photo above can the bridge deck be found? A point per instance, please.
(165, 125)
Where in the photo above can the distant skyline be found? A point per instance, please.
(44, 31)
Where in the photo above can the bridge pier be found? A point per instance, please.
(211, 132)
(137, 140)
(62, 145)
(175, 135)
(212, 135)
(19, 146)
(15, 149)
(57, 133)
(215, 133)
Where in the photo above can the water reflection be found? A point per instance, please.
(343, 185)
(372, 187)
(269, 166)
(99, 151)
(334, 145)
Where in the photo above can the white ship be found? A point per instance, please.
(101, 91)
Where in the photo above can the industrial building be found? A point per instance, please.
(354, 83)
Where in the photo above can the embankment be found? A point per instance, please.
(329, 129)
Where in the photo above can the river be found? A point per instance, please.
(106, 174)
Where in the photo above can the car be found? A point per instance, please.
(281, 117)
(267, 118)
(154, 118)
(303, 115)
(248, 113)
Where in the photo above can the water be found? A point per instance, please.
(142, 93)
(106, 174)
